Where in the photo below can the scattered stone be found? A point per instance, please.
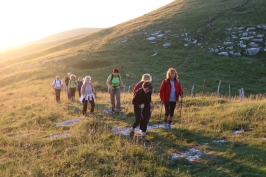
(252, 51)
(154, 54)
(151, 38)
(245, 38)
(250, 28)
(126, 130)
(253, 44)
(68, 122)
(160, 35)
(223, 53)
(186, 45)
(167, 45)
(245, 34)
(124, 41)
(59, 135)
(229, 48)
(238, 131)
(257, 40)
(241, 28)
(218, 141)
(238, 54)
(191, 155)
(227, 43)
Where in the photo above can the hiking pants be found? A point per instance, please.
(169, 108)
(57, 94)
(142, 119)
(85, 104)
(115, 93)
(68, 92)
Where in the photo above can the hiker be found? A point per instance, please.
(114, 82)
(57, 85)
(80, 83)
(72, 85)
(170, 91)
(145, 78)
(142, 108)
(88, 93)
(67, 88)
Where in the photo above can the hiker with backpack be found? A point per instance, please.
(88, 95)
(57, 85)
(114, 82)
(169, 92)
(72, 85)
(142, 108)
(80, 83)
(67, 88)
(145, 78)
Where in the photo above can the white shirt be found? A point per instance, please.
(57, 84)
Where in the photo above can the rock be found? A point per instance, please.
(241, 28)
(229, 48)
(223, 54)
(257, 40)
(245, 38)
(185, 45)
(252, 51)
(245, 34)
(195, 41)
(227, 43)
(151, 38)
(160, 35)
(253, 44)
(167, 45)
(260, 35)
(250, 28)
(238, 54)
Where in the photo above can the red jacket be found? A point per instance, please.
(165, 90)
(137, 86)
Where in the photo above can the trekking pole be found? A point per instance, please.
(160, 114)
(96, 102)
(180, 108)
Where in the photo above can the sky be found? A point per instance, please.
(23, 21)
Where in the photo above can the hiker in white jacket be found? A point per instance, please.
(88, 95)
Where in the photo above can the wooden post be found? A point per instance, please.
(128, 88)
(218, 90)
(242, 93)
(229, 93)
(192, 91)
(203, 87)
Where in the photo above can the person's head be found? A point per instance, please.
(147, 86)
(57, 77)
(87, 79)
(68, 74)
(171, 74)
(146, 77)
(72, 77)
(115, 71)
(79, 79)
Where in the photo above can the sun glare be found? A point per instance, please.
(29, 20)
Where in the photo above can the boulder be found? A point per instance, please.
(238, 54)
(223, 54)
(252, 51)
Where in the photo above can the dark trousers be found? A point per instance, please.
(169, 108)
(142, 118)
(57, 94)
(85, 104)
(79, 89)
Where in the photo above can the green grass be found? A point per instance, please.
(29, 112)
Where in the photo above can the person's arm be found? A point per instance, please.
(53, 84)
(135, 99)
(136, 87)
(108, 81)
(161, 92)
(121, 83)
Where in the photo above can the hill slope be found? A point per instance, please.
(181, 23)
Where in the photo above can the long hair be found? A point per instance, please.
(146, 76)
(169, 71)
(87, 77)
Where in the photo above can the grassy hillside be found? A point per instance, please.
(227, 137)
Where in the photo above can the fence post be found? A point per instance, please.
(128, 88)
(192, 90)
(218, 90)
(203, 87)
(229, 93)
(241, 94)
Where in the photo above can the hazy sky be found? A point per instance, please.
(28, 20)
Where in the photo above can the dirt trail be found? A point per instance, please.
(202, 30)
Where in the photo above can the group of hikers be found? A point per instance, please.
(169, 92)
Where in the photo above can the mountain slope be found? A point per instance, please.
(128, 47)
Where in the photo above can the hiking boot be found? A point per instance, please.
(131, 134)
(169, 126)
(165, 125)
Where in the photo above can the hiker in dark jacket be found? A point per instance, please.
(145, 78)
(80, 83)
(114, 82)
(67, 88)
(142, 108)
(170, 91)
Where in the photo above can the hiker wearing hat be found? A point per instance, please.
(57, 85)
(142, 108)
(145, 78)
(88, 94)
(114, 82)
(72, 85)
(170, 91)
